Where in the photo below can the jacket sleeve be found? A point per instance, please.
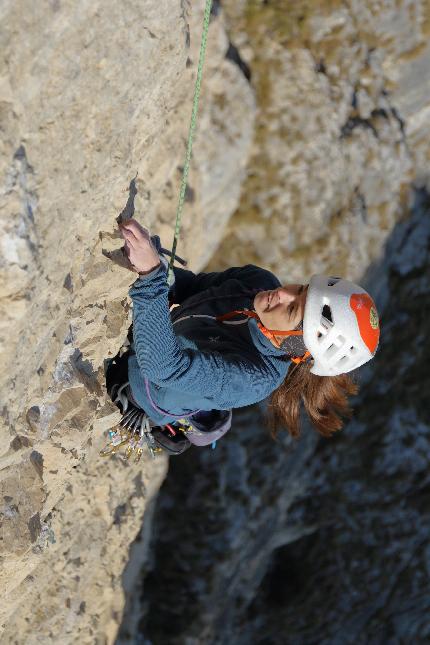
(188, 283)
(233, 380)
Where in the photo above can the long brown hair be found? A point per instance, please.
(325, 399)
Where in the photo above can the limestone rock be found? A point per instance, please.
(90, 95)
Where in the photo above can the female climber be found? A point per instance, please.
(235, 338)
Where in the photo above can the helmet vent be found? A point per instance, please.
(342, 361)
(331, 351)
(323, 330)
(326, 313)
(340, 325)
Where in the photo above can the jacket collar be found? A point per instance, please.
(262, 343)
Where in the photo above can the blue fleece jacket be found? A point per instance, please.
(194, 362)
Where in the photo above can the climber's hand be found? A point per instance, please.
(141, 252)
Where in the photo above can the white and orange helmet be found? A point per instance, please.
(340, 325)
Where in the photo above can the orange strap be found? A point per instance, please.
(269, 333)
(301, 359)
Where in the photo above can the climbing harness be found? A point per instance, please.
(206, 428)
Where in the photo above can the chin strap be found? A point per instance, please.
(268, 333)
(301, 359)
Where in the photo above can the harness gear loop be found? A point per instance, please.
(206, 19)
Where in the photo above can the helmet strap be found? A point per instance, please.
(269, 333)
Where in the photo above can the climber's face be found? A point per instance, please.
(283, 308)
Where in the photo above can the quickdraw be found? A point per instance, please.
(133, 432)
(134, 443)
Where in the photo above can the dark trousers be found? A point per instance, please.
(130, 333)
(117, 371)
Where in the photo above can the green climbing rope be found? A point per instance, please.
(208, 8)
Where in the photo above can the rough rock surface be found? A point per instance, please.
(320, 541)
(90, 94)
(341, 130)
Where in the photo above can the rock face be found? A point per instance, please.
(90, 94)
(320, 541)
(312, 142)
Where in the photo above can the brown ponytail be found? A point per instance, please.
(325, 399)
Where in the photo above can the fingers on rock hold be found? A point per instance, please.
(136, 229)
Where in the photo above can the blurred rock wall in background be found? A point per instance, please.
(341, 130)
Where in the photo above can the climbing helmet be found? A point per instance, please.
(340, 325)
